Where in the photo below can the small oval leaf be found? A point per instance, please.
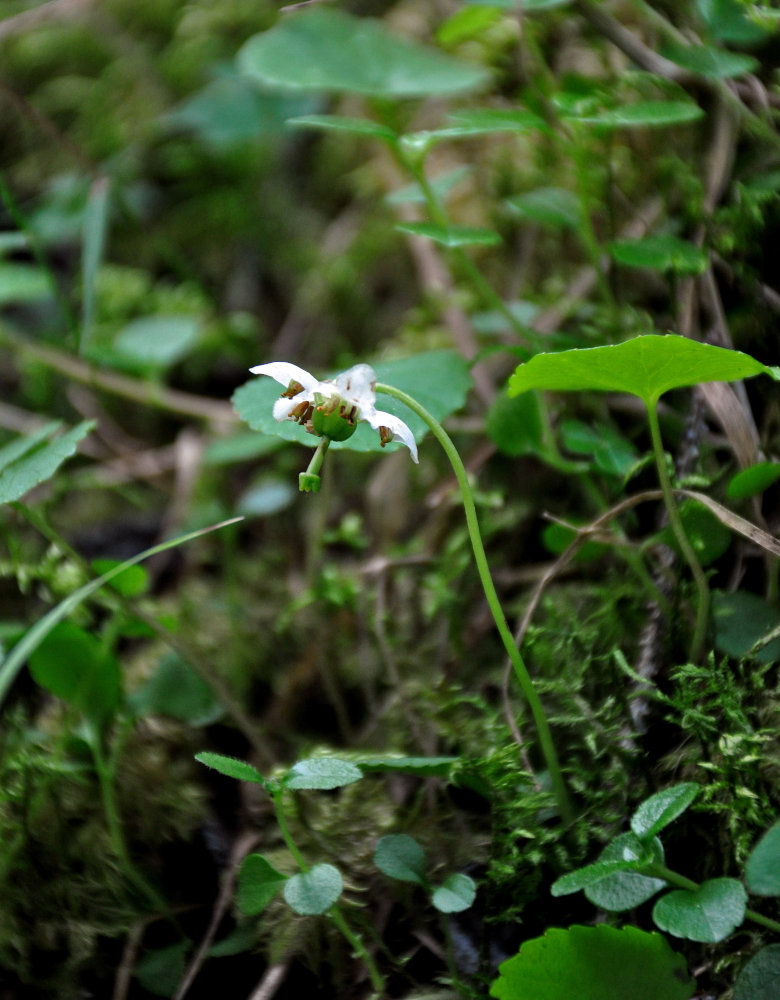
(322, 773)
(762, 872)
(662, 808)
(455, 895)
(315, 891)
(231, 767)
(401, 857)
(258, 883)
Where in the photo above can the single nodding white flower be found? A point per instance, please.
(334, 408)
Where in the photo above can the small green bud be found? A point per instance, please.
(308, 482)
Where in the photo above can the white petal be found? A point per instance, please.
(283, 407)
(378, 418)
(356, 385)
(284, 373)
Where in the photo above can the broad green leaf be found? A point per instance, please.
(645, 114)
(741, 620)
(131, 582)
(15, 660)
(709, 61)
(728, 21)
(647, 366)
(339, 123)
(590, 875)
(401, 857)
(660, 253)
(73, 665)
(709, 537)
(594, 963)
(158, 341)
(315, 891)
(451, 236)
(25, 443)
(708, 914)
(161, 970)
(611, 453)
(175, 690)
(36, 466)
(759, 979)
(753, 481)
(93, 237)
(258, 883)
(455, 895)
(555, 207)
(625, 890)
(514, 425)
(467, 23)
(231, 767)
(323, 49)
(23, 283)
(662, 808)
(321, 772)
(484, 121)
(762, 872)
(234, 109)
(420, 767)
(438, 380)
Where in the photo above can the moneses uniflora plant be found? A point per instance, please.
(332, 410)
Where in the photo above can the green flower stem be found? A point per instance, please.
(675, 522)
(309, 481)
(520, 669)
(674, 878)
(335, 914)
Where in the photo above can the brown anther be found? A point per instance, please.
(348, 415)
(302, 412)
(385, 435)
(293, 389)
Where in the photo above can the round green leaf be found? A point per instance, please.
(73, 665)
(131, 582)
(175, 690)
(401, 857)
(646, 366)
(762, 872)
(321, 772)
(158, 341)
(625, 890)
(231, 767)
(660, 253)
(662, 808)
(455, 895)
(760, 977)
(315, 891)
(324, 49)
(594, 963)
(710, 913)
(24, 283)
(741, 619)
(258, 883)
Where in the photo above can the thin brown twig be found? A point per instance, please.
(272, 979)
(242, 846)
(124, 972)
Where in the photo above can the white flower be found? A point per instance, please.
(333, 408)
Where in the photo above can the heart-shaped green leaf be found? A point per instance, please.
(647, 366)
(315, 891)
(258, 883)
(662, 808)
(594, 963)
(762, 872)
(455, 895)
(324, 49)
(760, 978)
(710, 913)
(401, 857)
(322, 773)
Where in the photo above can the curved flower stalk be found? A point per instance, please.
(332, 410)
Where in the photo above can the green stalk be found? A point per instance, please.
(335, 914)
(520, 669)
(675, 522)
